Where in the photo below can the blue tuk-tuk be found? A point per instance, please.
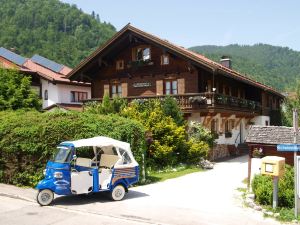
(107, 165)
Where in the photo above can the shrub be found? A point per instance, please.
(200, 133)
(28, 138)
(262, 187)
(16, 92)
(171, 108)
(197, 150)
(168, 140)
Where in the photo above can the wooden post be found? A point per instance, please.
(275, 192)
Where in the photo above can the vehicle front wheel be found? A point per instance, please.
(45, 197)
(118, 193)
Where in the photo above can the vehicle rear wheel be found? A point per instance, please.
(118, 193)
(45, 197)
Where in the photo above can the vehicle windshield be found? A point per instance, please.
(62, 154)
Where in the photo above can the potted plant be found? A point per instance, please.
(257, 153)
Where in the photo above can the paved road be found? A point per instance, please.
(200, 198)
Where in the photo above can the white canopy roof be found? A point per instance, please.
(99, 142)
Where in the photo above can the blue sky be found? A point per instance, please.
(211, 22)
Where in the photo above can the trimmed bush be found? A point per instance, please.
(16, 92)
(28, 138)
(262, 187)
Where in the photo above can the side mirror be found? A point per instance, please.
(74, 157)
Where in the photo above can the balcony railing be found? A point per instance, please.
(191, 102)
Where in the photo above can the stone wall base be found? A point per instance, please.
(218, 151)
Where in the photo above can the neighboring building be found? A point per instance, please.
(134, 64)
(48, 79)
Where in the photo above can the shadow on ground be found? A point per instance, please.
(101, 197)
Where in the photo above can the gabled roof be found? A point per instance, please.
(272, 135)
(12, 57)
(193, 56)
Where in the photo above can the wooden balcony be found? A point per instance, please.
(197, 102)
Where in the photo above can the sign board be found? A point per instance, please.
(288, 147)
(141, 85)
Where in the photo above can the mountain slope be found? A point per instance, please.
(56, 30)
(278, 67)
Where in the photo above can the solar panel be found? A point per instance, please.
(11, 56)
(47, 63)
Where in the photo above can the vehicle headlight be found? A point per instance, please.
(58, 175)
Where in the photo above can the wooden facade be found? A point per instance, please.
(136, 65)
(200, 85)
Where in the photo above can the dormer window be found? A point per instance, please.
(141, 54)
(164, 60)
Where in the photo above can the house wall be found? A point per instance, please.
(60, 93)
(239, 132)
(64, 92)
(52, 93)
(155, 74)
(261, 120)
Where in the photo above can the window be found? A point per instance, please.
(171, 87)
(125, 157)
(120, 65)
(141, 54)
(46, 95)
(229, 125)
(267, 123)
(116, 90)
(77, 96)
(164, 60)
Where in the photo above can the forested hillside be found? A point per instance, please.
(275, 66)
(56, 30)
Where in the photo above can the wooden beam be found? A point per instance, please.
(237, 122)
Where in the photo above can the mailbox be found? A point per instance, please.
(273, 166)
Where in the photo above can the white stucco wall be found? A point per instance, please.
(261, 120)
(64, 92)
(52, 93)
(60, 93)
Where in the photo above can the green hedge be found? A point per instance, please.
(28, 138)
(262, 187)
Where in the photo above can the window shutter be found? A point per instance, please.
(106, 89)
(124, 89)
(181, 86)
(159, 87)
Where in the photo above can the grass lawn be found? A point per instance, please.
(158, 176)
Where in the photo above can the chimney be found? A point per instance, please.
(226, 61)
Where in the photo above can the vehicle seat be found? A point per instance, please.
(108, 160)
(85, 162)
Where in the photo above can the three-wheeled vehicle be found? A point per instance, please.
(111, 167)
